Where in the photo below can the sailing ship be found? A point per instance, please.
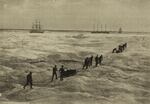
(120, 30)
(36, 28)
(101, 31)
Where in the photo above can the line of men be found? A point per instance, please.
(88, 62)
(120, 48)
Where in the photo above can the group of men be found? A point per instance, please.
(54, 74)
(120, 48)
(88, 62)
(61, 71)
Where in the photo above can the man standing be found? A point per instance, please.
(120, 48)
(114, 50)
(100, 59)
(54, 72)
(96, 61)
(29, 80)
(61, 70)
(91, 60)
(125, 45)
(86, 62)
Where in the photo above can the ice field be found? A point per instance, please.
(123, 78)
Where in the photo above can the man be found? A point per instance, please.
(91, 60)
(120, 48)
(96, 61)
(86, 62)
(54, 72)
(61, 70)
(114, 50)
(29, 80)
(100, 59)
(125, 45)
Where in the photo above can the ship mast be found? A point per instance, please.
(105, 27)
(33, 26)
(36, 25)
(97, 27)
(39, 25)
(101, 27)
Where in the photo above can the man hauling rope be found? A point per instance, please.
(61, 70)
(54, 72)
(96, 61)
(100, 60)
(28, 80)
(86, 63)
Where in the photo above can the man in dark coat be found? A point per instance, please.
(91, 60)
(96, 61)
(120, 48)
(29, 80)
(100, 59)
(61, 70)
(86, 63)
(54, 72)
(114, 50)
(125, 45)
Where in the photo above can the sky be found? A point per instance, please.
(131, 15)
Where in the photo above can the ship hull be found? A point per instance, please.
(106, 32)
(36, 31)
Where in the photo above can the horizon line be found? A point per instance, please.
(74, 30)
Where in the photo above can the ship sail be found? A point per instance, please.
(120, 30)
(96, 29)
(36, 27)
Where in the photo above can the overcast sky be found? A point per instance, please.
(131, 15)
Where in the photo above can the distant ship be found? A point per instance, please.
(97, 30)
(36, 28)
(120, 30)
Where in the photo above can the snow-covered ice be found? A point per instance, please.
(123, 78)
